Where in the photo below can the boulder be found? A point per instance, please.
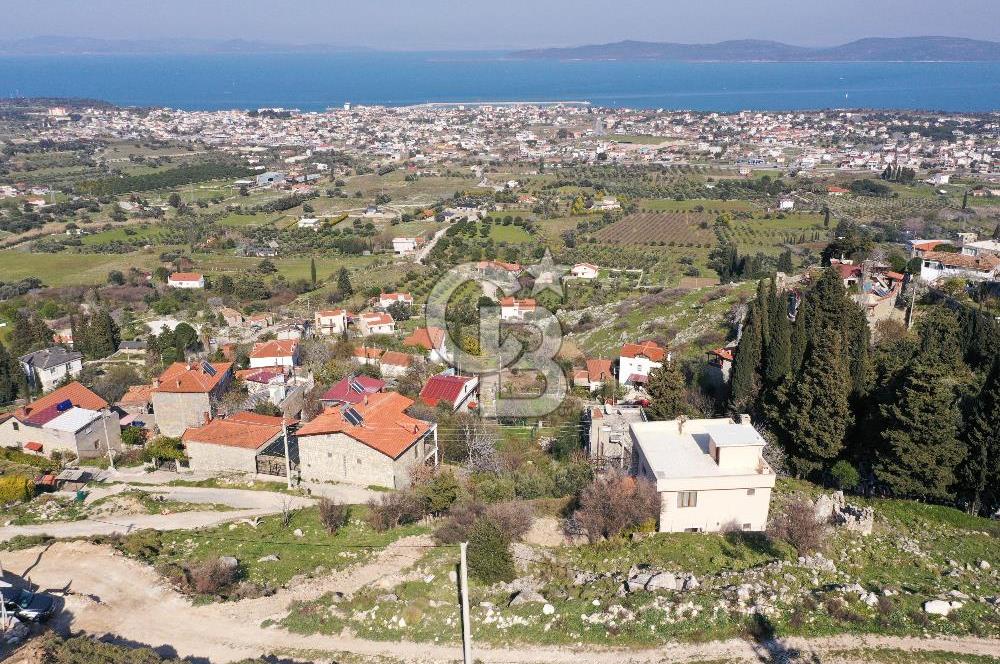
(548, 609)
(690, 582)
(525, 597)
(270, 558)
(940, 607)
(984, 565)
(298, 532)
(229, 562)
(662, 581)
(638, 582)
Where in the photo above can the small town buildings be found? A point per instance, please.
(310, 223)
(608, 439)
(234, 444)
(450, 389)
(585, 271)
(710, 473)
(719, 366)
(186, 280)
(46, 368)
(331, 322)
(595, 375)
(371, 443)
(395, 364)
(261, 320)
(376, 322)
(266, 384)
(512, 309)
(636, 361)
(834, 190)
(432, 339)
(137, 403)
(275, 353)
(270, 178)
(367, 355)
(386, 300)
(786, 203)
(403, 246)
(942, 265)
(70, 420)
(351, 389)
(501, 268)
(919, 247)
(231, 317)
(981, 248)
(184, 395)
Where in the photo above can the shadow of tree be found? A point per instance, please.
(757, 542)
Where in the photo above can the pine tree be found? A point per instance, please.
(667, 392)
(785, 261)
(344, 283)
(746, 364)
(980, 475)
(826, 217)
(814, 412)
(29, 333)
(921, 449)
(312, 271)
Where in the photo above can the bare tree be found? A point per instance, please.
(481, 440)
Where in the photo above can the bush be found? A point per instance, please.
(491, 488)
(394, 509)
(797, 525)
(615, 503)
(489, 555)
(133, 435)
(438, 492)
(332, 515)
(16, 489)
(513, 520)
(211, 577)
(25, 459)
(845, 475)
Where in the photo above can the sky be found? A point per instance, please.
(499, 24)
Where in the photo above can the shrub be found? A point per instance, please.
(133, 435)
(394, 509)
(16, 489)
(489, 555)
(797, 525)
(491, 488)
(332, 515)
(211, 577)
(438, 492)
(845, 475)
(614, 503)
(513, 520)
(25, 459)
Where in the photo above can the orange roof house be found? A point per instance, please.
(197, 377)
(429, 338)
(649, 349)
(232, 444)
(185, 394)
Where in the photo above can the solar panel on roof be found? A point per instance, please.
(208, 368)
(63, 406)
(356, 386)
(353, 416)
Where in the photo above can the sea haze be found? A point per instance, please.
(311, 81)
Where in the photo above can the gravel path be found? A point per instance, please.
(108, 594)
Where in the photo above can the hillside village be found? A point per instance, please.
(222, 373)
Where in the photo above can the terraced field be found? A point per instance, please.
(671, 228)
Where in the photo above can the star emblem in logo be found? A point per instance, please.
(548, 276)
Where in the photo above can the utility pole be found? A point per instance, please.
(288, 459)
(466, 627)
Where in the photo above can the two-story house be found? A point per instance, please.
(47, 367)
(185, 394)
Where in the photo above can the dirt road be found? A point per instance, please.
(247, 504)
(112, 595)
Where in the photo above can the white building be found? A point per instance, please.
(405, 245)
(186, 280)
(312, 223)
(943, 265)
(386, 300)
(513, 309)
(47, 367)
(786, 204)
(638, 360)
(376, 322)
(275, 353)
(710, 473)
(331, 321)
(585, 271)
(981, 248)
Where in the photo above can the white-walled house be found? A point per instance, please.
(514, 309)
(710, 473)
(405, 245)
(584, 271)
(186, 280)
(331, 322)
(376, 322)
(636, 361)
(312, 223)
(275, 353)
(48, 366)
(943, 265)
(386, 300)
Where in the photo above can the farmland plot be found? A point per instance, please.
(670, 228)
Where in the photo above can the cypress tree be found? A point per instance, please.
(814, 411)
(763, 302)
(980, 475)
(785, 261)
(746, 364)
(668, 397)
(312, 271)
(11, 376)
(921, 449)
(344, 283)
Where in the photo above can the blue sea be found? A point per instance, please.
(318, 81)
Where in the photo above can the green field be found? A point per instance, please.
(512, 234)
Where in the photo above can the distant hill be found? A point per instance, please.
(876, 49)
(55, 45)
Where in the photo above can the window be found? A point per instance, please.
(16, 426)
(746, 526)
(692, 530)
(751, 492)
(687, 499)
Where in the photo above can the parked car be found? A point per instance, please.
(27, 605)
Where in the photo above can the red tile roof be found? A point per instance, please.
(598, 370)
(245, 430)
(984, 263)
(261, 375)
(723, 353)
(185, 276)
(33, 446)
(441, 387)
(275, 348)
(396, 359)
(192, 378)
(137, 395)
(385, 427)
(376, 318)
(649, 349)
(521, 304)
(430, 338)
(43, 409)
(368, 353)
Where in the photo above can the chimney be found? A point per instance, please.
(156, 382)
(207, 417)
(178, 383)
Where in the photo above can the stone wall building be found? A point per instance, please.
(184, 395)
